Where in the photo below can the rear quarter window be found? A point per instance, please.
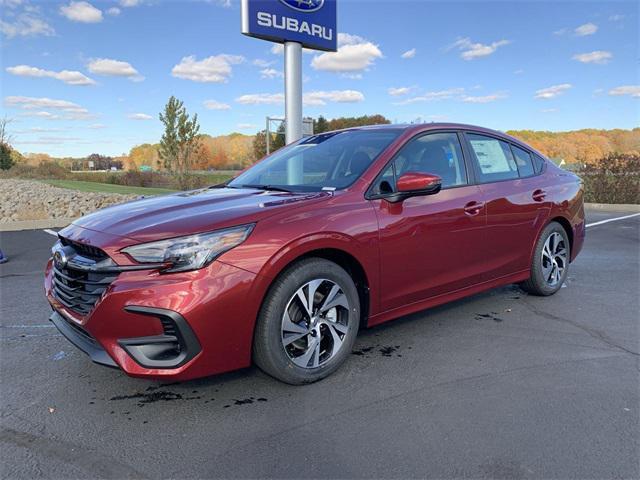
(538, 163)
(524, 162)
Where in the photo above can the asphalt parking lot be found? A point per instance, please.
(500, 385)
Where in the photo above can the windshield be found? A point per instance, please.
(326, 161)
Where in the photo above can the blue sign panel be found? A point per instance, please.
(309, 22)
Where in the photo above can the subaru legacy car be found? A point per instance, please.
(282, 265)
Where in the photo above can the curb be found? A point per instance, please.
(613, 207)
(35, 224)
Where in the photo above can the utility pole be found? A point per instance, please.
(293, 91)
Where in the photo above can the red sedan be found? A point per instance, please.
(284, 264)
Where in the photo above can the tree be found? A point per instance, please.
(260, 145)
(179, 142)
(6, 152)
(320, 125)
(6, 160)
(188, 140)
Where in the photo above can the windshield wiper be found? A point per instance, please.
(269, 187)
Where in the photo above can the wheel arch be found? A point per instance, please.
(333, 253)
(566, 225)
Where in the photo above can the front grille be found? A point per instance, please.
(87, 251)
(75, 285)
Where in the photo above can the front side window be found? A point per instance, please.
(494, 158)
(436, 153)
(523, 160)
(327, 161)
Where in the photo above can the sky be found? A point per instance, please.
(81, 77)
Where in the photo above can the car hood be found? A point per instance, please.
(196, 211)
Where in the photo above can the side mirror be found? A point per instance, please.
(413, 184)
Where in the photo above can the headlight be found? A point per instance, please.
(192, 252)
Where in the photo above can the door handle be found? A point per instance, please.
(473, 208)
(539, 195)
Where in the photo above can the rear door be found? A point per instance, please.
(515, 201)
(429, 245)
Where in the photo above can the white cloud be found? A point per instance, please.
(25, 25)
(139, 116)
(113, 11)
(70, 77)
(44, 115)
(215, 105)
(82, 12)
(71, 111)
(600, 57)
(319, 98)
(130, 3)
(409, 54)
(631, 90)
(261, 99)
(313, 99)
(354, 54)
(399, 91)
(586, 29)
(549, 110)
(519, 71)
(553, 91)
(214, 69)
(433, 96)
(483, 98)
(97, 126)
(114, 68)
(32, 103)
(471, 51)
(616, 18)
(246, 126)
(271, 73)
(560, 31)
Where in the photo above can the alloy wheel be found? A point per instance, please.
(554, 259)
(315, 323)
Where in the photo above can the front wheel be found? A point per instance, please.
(308, 322)
(550, 263)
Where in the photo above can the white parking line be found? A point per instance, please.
(611, 220)
(50, 232)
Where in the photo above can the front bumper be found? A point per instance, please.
(143, 315)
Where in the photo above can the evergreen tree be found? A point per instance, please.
(320, 125)
(6, 160)
(180, 140)
(169, 149)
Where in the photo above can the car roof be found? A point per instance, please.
(422, 127)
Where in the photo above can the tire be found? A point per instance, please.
(281, 348)
(550, 264)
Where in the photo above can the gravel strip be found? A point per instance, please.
(22, 200)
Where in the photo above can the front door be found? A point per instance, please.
(429, 245)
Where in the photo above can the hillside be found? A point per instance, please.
(585, 146)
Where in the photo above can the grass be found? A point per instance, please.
(106, 187)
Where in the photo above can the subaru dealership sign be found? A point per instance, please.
(312, 23)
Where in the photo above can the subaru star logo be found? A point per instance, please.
(304, 5)
(60, 258)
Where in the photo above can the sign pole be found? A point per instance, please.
(293, 91)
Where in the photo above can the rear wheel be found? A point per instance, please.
(550, 263)
(308, 323)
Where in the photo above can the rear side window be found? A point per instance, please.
(494, 158)
(523, 160)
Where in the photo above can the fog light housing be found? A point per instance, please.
(174, 348)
